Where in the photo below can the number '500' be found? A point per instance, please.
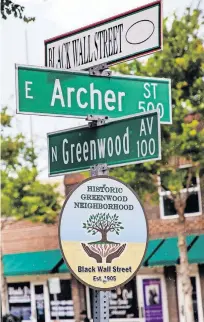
(143, 106)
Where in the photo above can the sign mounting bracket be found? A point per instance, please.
(100, 70)
(96, 120)
(99, 169)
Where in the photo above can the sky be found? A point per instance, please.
(133, 221)
(53, 18)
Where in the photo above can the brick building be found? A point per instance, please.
(32, 257)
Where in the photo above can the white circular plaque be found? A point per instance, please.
(103, 232)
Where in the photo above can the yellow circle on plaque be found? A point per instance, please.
(103, 232)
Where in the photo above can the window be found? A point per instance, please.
(19, 300)
(193, 204)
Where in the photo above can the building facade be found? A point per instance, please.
(32, 259)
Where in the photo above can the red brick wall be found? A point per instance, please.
(71, 181)
(170, 227)
(28, 237)
(152, 211)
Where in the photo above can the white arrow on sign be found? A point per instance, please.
(131, 34)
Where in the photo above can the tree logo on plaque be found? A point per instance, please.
(103, 250)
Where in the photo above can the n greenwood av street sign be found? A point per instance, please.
(129, 140)
(130, 34)
(56, 92)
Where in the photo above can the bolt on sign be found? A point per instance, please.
(55, 92)
(129, 140)
(131, 34)
(103, 232)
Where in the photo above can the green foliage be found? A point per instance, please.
(181, 60)
(9, 8)
(23, 196)
(103, 223)
(14, 150)
(141, 177)
(5, 118)
(178, 179)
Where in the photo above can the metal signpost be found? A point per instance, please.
(100, 298)
(53, 92)
(128, 140)
(131, 34)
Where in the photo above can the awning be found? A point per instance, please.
(168, 254)
(160, 252)
(196, 253)
(31, 263)
(63, 268)
(152, 247)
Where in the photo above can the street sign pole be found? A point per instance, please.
(100, 298)
(101, 306)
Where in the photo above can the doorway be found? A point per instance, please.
(152, 298)
(196, 296)
(40, 302)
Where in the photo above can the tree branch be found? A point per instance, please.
(109, 224)
(94, 228)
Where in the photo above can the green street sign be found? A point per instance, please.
(128, 140)
(56, 92)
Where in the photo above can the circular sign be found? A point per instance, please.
(103, 232)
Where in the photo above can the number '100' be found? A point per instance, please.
(145, 147)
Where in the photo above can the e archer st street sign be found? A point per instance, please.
(131, 34)
(56, 92)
